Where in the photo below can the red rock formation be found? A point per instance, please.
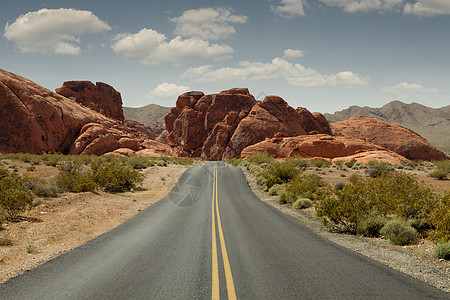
(323, 146)
(220, 125)
(36, 120)
(100, 97)
(390, 136)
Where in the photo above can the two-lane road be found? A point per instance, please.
(212, 238)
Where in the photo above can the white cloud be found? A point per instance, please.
(407, 89)
(293, 54)
(66, 48)
(167, 90)
(53, 30)
(295, 74)
(207, 23)
(353, 6)
(428, 8)
(152, 48)
(290, 8)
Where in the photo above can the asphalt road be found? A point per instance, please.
(171, 251)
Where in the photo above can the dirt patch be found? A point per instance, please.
(416, 260)
(60, 224)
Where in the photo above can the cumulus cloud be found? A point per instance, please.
(167, 90)
(292, 54)
(428, 8)
(207, 23)
(152, 48)
(53, 30)
(290, 8)
(407, 89)
(278, 68)
(353, 6)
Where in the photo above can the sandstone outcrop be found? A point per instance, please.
(36, 120)
(390, 136)
(221, 125)
(100, 97)
(323, 146)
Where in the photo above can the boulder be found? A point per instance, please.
(390, 136)
(100, 97)
(321, 146)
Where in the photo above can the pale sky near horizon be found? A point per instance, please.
(324, 55)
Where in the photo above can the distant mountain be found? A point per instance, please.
(431, 123)
(150, 115)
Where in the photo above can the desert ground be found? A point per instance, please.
(69, 220)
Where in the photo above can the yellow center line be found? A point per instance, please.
(226, 263)
(215, 294)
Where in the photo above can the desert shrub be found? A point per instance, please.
(14, 197)
(376, 170)
(73, 178)
(260, 157)
(350, 163)
(443, 251)
(254, 169)
(114, 173)
(278, 173)
(234, 161)
(371, 225)
(439, 219)
(31, 249)
(40, 188)
(37, 202)
(399, 233)
(319, 163)
(4, 241)
(3, 172)
(339, 185)
(138, 162)
(299, 162)
(439, 174)
(418, 224)
(302, 203)
(161, 163)
(274, 189)
(394, 193)
(303, 186)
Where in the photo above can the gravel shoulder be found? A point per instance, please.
(416, 260)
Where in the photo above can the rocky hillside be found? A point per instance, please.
(36, 120)
(232, 124)
(150, 115)
(431, 123)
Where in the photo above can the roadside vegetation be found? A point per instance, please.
(380, 200)
(75, 173)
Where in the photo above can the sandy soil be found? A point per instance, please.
(416, 260)
(60, 224)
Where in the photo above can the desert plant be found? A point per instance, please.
(319, 163)
(37, 202)
(376, 170)
(302, 203)
(443, 251)
(14, 197)
(399, 233)
(4, 241)
(274, 189)
(279, 173)
(73, 178)
(31, 249)
(439, 219)
(260, 157)
(303, 186)
(439, 174)
(339, 185)
(299, 162)
(350, 163)
(370, 225)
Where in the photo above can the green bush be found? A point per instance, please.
(274, 189)
(279, 173)
(443, 251)
(377, 170)
(439, 219)
(73, 178)
(299, 162)
(14, 197)
(371, 225)
(350, 163)
(40, 188)
(339, 185)
(260, 157)
(138, 162)
(399, 233)
(319, 163)
(303, 186)
(394, 193)
(302, 203)
(439, 174)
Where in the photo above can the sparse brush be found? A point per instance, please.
(302, 203)
(399, 233)
(443, 251)
(370, 225)
(273, 191)
(5, 241)
(260, 157)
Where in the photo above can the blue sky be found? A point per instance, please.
(324, 55)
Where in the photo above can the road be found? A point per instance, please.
(213, 238)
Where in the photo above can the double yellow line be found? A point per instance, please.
(215, 294)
